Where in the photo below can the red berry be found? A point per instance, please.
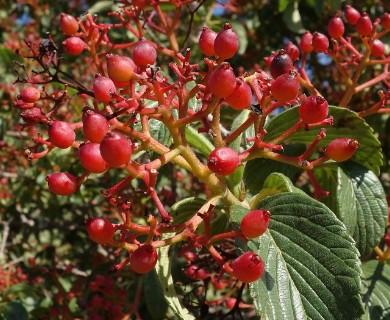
(115, 149)
(241, 96)
(378, 48)
(314, 109)
(61, 134)
(336, 27)
(364, 25)
(285, 87)
(341, 149)
(34, 115)
(197, 273)
(95, 126)
(352, 15)
(68, 24)
(387, 239)
(144, 54)
(306, 42)
(248, 267)
(226, 42)
(73, 46)
(30, 95)
(230, 303)
(255, 223)
(22, 105)
(120, 68)
(222, 81)
(103, 89)
(385, 21)
(62, 183)
(293, 51)
(206, 41)
(281, 64)
(91, 159)
(143, 259)
(223, 161)
(100, 230)
(320, 42)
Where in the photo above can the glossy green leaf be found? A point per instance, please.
(371, 206)
(347, 124)
(163, 269)
(311, 264)
(13, 311)
(20, 289)
(341, 199)
(198, 141)
(282, 5)
(161, 133)
(239, 120)
(257, 170)
(292, 18)
(154, 296)
(184, 209)
(274, 184)
(376, 289)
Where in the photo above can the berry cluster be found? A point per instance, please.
(128, 90)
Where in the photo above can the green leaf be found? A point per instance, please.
(347, 124)
(163, 269)
(358, 199)
(283, 5)
(371, 206)
(376, 289)
(257, 170)
(311, 263)
(292, 18)
(274, 184)
(182, 210)
(20, 289)
(341, 199)
(101, 6)
(198, 141)
(239, 120)
(154, 296)
(13, 311)
(161, 133)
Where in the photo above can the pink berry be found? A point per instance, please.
(386, 238)
(241, 96)
(255, 223)
(226, 43)
(103, 88)
(293, 51)
(313, 110)
(320, 42)
(61, 134)
(385, 21)
(364, 25)
(306, 42)
(95, 126)
(206, 41)
(68, 24)
(336, 27)
(144, 54)
(378, 48)
(285, 87)
(100, 230)
(120, 68)
(91, 159)
(143, 259)
(222, 81)
(248, 267)
(341, 149)
(73, 46)
(351, 15)
(223, 161)
(62, 183)
(115, 149)
(30, 94)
